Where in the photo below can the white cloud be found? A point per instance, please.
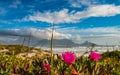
(46, 34)
(99, 35)
(98, 31)
(102, 11)
(101, 30)
(5, 22)
(80, 3)
(37, 33)
(64, 16)
(15, 4)
(52, 17)
(2, 11)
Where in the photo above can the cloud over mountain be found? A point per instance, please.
(37, 33)
(98, 35)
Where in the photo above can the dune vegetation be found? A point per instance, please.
(23, 60)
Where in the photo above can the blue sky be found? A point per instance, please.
(79, 20)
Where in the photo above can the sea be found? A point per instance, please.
(82, 50)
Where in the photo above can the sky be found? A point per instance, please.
(96, 21)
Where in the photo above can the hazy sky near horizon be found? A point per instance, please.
(97, 21)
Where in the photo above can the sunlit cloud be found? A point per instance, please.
(64, 16)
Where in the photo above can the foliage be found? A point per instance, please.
(10, 64)
(112, 54)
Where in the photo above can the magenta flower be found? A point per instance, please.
(47, 66)
(94, 56)
(69, 57)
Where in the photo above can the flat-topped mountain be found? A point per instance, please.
(56, 43)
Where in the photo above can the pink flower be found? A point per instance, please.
(69, 57)
(94, 56)
(47, 66)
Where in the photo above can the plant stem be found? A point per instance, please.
(94, 69)
(51, 46)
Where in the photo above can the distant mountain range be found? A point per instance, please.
(35, 42)
(61, 43)
(56, 43)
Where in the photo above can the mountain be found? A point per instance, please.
(35, 41)
(56, 43)
(87, 43)
(38, 42)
